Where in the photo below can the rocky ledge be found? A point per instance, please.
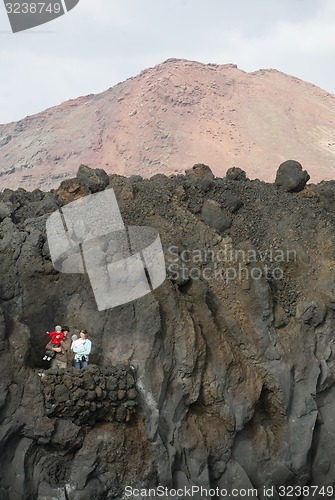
(91, 395)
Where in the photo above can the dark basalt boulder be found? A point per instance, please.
(94, 179)
(236, 174)
(213, 215)
(290, 176)
(200, 171)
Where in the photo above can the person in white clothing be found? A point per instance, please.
(82, 349)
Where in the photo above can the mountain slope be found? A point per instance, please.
(172, 116)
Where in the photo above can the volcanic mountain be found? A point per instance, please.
(174, 115)
(223, 377)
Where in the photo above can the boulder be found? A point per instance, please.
(94, 179)
(213, 215)
(236, 174)
(200, 171)
(290, 176)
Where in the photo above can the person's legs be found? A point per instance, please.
(49, 355)
(83, 364)
(76, 364)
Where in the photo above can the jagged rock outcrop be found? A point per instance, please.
(233, 354)
(291, 177)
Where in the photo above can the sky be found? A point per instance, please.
(102, 42)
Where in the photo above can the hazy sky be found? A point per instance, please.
(102, 42)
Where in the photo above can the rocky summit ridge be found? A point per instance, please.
(171, 116)
(222, 377)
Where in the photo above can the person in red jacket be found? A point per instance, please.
(56, 336)
(63, 354)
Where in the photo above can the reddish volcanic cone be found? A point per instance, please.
(172, 116)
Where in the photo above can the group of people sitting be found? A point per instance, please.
(64, 351)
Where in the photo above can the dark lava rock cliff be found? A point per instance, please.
(223, 377)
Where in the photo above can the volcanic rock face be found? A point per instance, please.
(233, 357)
(170, 117)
